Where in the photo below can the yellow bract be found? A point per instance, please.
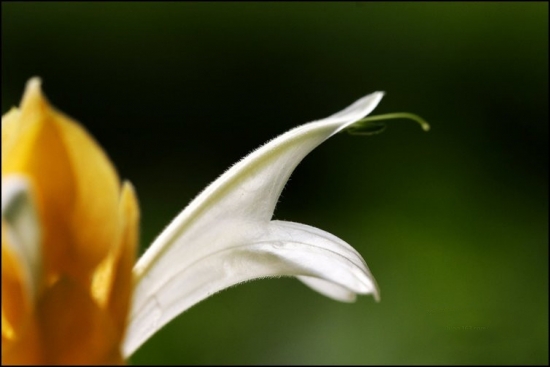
(89, 232)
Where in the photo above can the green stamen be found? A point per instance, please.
(369, 126)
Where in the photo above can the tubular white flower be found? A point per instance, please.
(225, 236)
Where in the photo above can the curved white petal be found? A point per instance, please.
(22, 228)
(329, 289)
(224, 236)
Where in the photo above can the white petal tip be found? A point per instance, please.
(34, 82)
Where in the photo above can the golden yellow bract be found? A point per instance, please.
(88, 226)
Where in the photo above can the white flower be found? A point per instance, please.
(226, 236)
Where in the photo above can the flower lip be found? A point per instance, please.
(225, 236)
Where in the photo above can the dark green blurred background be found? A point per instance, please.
(453, 223)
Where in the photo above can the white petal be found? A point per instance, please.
(302, 233)
(224, 236)
(22, 228)
(329, 289)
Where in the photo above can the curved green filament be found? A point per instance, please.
(368, 126)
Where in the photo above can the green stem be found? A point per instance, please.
(398, 115)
